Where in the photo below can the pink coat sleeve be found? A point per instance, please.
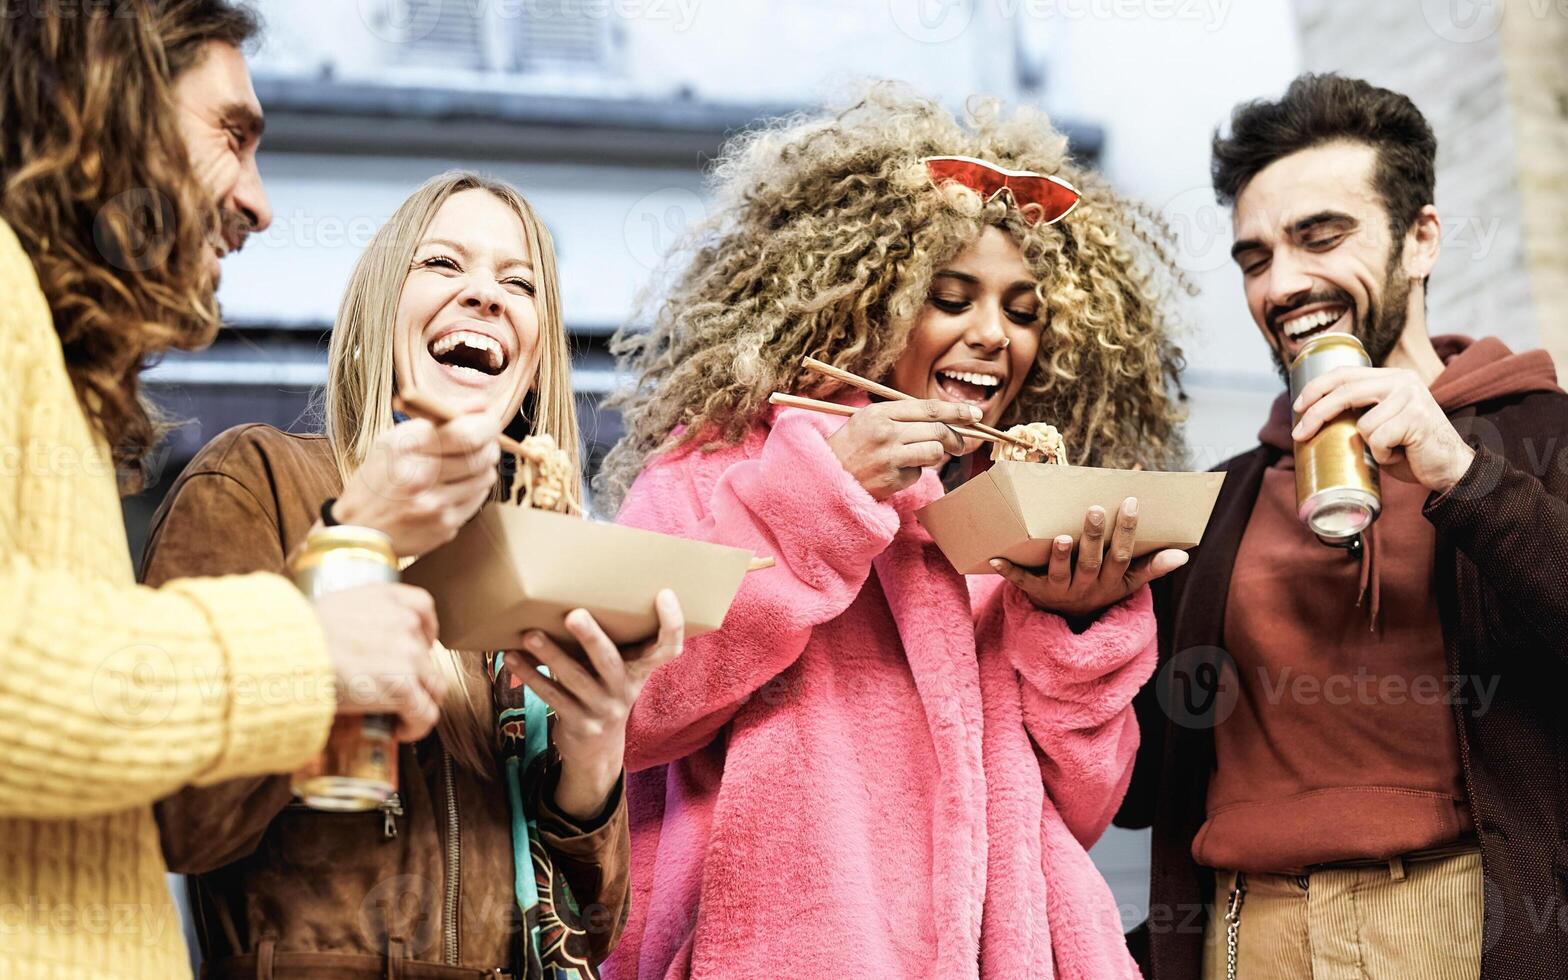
(792, 501)
(1077, 692)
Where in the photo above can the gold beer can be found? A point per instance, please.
(1337, 492)
(358, 768)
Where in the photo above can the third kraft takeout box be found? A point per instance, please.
(513, 569)
(1014, 510)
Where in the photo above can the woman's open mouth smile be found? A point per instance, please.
(469, 357)
(980, 386)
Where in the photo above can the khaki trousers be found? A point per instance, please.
(1414, 917)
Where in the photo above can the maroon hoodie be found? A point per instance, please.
(1342, 744)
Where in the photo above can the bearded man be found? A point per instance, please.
(1353, 757)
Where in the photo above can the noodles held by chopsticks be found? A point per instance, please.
(545, 476)
(1041, 443)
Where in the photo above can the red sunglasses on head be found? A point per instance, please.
(1040, 197)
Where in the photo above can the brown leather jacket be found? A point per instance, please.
(422, 888)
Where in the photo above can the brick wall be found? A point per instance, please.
(1534, 41)
(1492, 78)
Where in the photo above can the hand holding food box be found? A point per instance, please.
(523, 564)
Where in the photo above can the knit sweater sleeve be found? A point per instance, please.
(113, 695)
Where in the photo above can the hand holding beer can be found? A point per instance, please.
(358, 768)
(1337, 491)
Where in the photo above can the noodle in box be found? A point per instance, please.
(1030, 495)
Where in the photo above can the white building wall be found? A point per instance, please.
(1492, 79)
(743, 51)
(610, 224)
(1448, 60)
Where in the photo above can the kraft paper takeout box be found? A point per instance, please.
(1015, 510)
(513, 569)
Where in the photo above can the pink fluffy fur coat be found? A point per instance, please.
(875, 768)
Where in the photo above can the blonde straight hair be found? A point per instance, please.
(361, 385)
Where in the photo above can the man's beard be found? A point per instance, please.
(1379, 330)
(1380, 335)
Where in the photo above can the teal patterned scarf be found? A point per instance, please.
(555, 943)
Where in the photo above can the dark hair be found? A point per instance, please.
(1318, 109)
(96, 182)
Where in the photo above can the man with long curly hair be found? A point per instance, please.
(127, 169)
(877, 768)
(1353, 758)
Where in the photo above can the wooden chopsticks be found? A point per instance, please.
(893, 394)
(834, 408)
(411, 402)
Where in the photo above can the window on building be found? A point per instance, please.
(506, 36)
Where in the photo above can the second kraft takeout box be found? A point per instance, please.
(1015, 510)
(513, 569)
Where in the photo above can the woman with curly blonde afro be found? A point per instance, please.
(877, 767)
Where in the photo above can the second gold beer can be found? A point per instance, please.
(1337, 491)
(358, 768)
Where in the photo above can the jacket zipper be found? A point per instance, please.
(1451, 661)
(393, 807)
(454, 858)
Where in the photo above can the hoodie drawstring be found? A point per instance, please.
(1371, 577)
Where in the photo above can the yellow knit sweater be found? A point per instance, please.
(113, 695)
